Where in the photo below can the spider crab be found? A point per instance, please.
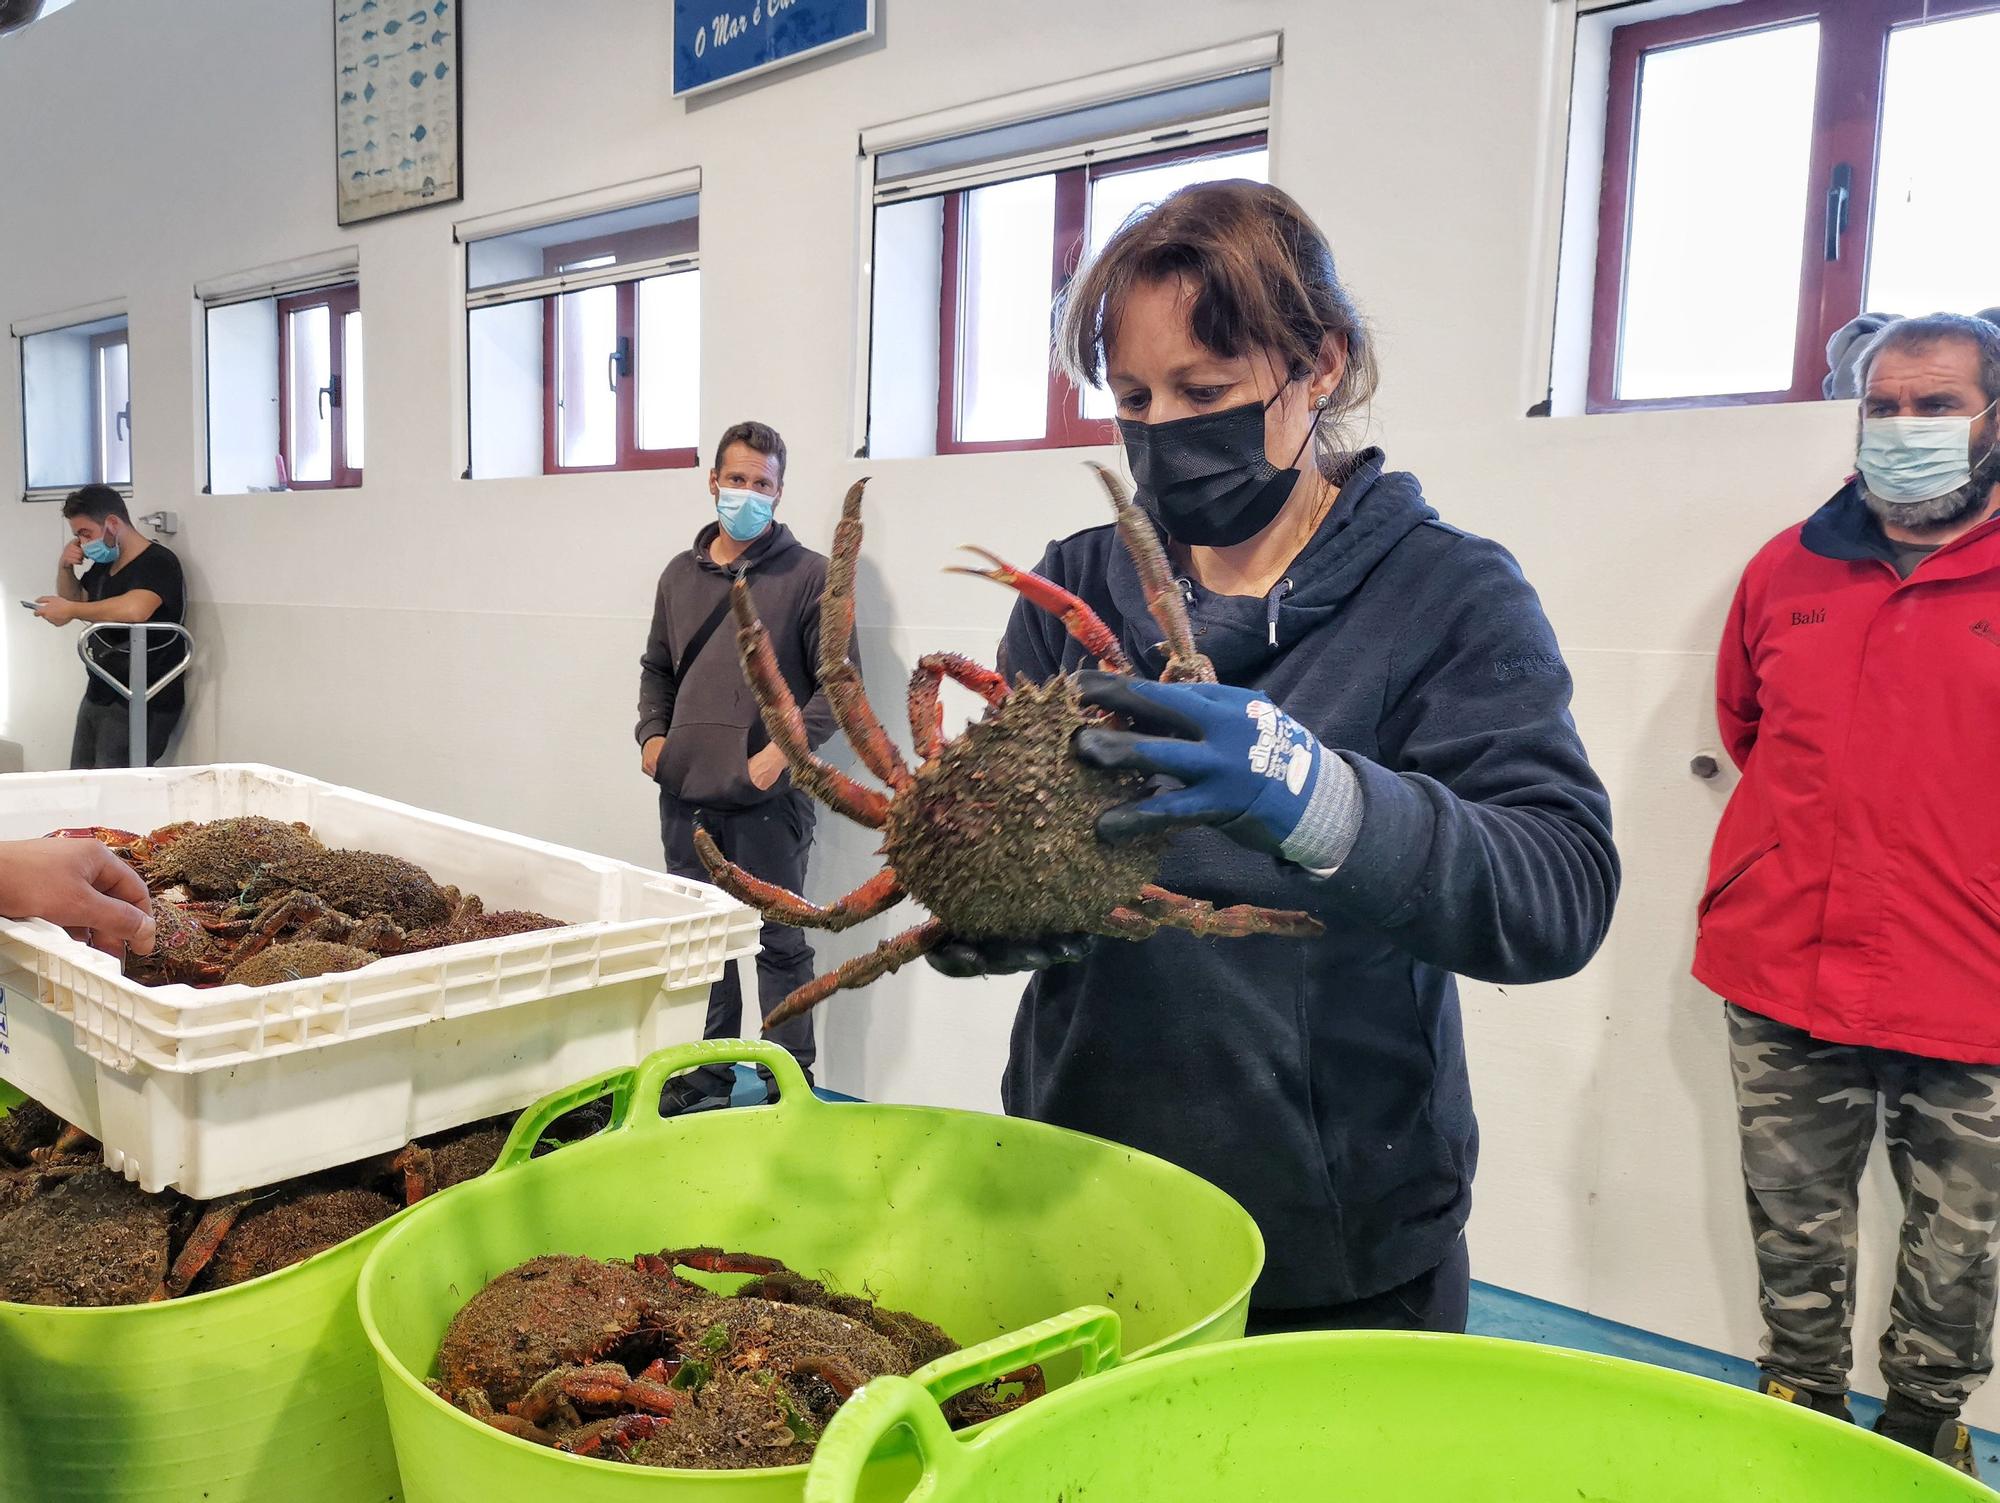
(995, 830)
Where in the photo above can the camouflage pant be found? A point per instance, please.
(1806, 1111)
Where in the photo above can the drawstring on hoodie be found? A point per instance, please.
(1187, 599)
(1271, 603)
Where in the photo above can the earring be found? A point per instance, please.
(1321, 403)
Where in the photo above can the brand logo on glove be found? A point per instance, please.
(1283, 748)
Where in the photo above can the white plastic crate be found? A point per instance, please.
(232, 1088)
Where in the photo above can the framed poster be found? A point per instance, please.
(397, 100)
(721, 41)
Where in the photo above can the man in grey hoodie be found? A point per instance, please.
(702, 738)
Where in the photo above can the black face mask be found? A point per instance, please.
(1207, 477)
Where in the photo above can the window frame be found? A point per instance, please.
(339, 299)
(629, 455)
(1065, 426)
(99, 415)
(1846, 128)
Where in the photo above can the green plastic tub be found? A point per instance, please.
(983, 1224)
(1369, 1417)
(263, 1392)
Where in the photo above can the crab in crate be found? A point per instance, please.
(201, 943)
(995, 831)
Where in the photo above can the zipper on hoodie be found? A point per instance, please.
(1271, 603)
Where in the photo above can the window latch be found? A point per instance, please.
(123, 426)
(619, 362)
(329, 393)
(1839, 195)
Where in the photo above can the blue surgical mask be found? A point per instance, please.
(744, 514)
(101, 551)
(1911, 460)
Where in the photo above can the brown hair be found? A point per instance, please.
(97, 502)
(1264, 279)
(760, 437)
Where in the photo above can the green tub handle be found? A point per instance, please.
(656, 1069)
(1091, 1328)
(539, 1118)
(864, 1422)
(888, 1404)
(635, 1090)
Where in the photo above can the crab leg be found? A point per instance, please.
(718, 1260)
(1156, 908)
(926, 714)
(878, 894)
(616, 1435)
(598, 1385)
(837, 674)
(70, 1142)
(414, 1163)
(836, 1373)
(1163, 595)
(270, 922)
(889, 956)
(1078, 619)
(202, 1242)
(788, 727)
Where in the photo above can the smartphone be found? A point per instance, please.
(29, 604)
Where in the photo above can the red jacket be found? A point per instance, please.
(1854, 886)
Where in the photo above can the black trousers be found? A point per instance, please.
(104, 734)
(770, 841)
(1435, 1301)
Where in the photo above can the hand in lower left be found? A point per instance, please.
(766, 767)
(55, 610)
(1243, 764)
(80, 885)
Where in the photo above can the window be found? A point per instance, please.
(1772, 168)
(285, 378)
(583, 334)
(976, 232)
(1008, 249)
(320, 428)
(76, 392)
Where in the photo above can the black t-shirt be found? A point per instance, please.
(158, 570)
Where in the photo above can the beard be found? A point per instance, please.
(1941, 513)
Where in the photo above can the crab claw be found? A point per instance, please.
(835, 1372)
(1077, 618)
(715, 1260)
(117, 839)
(619, 1435)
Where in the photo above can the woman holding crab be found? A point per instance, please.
(1390, 749)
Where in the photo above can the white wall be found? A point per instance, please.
(472, 646)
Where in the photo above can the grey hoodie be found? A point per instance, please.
(706, 711)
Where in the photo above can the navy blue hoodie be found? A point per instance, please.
(1323, 1083)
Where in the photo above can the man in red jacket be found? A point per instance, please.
(1852, 914)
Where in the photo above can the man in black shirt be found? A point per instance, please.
(129, 580)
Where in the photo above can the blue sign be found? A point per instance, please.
(721, 41)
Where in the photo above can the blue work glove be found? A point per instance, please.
(1004, 957)
(1243, 766)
